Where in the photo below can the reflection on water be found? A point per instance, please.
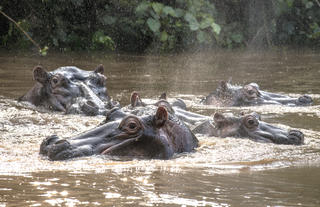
(162, 187)
(221, 172)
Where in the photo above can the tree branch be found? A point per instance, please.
(24, 32)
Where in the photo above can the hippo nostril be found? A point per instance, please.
(62, 141)
(305, 99)
(296, 137)
(51, 139)
(296, 133)
(90, 103)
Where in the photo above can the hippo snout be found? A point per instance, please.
(55, 148)
(90, 108)
(46, 143)
(295, 137)
(304, 100)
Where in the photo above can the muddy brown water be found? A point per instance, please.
(221, 172)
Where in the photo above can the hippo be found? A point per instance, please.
(176, 107)
(227, 94)
(248, 126)
(70, 90)
(157, 136)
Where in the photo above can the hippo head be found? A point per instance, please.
(249, 126)
(156, 136)
(70, 89)
(249, 95)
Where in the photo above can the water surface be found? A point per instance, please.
(221, 172)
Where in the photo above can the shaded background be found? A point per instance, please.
(160, 26)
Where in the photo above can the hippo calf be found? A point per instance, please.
(157, 136)
(248, 126)
(227, 94)
(70, 90)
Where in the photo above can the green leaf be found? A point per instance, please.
(157, 7)
(164, 36)
(55, 42)
(142, 7)
(309, 5)
(237, 38)
(153, 24)
(44, 51)
(178, 23)
(201, 36)
(179, 12)
(290, 3)
(100, 40)
(61, 34)
(205, 23)
(216, 28)
(290, 27)
(189, 17)
(77, 2)
(193, 23)
(108, 20)
(169, 10)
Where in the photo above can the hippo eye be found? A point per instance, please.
(130, 125)
(251, 122)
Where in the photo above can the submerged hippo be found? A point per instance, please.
(248, 126)
(138, 107)
(70, 90)
(157, 136)
(227, 94)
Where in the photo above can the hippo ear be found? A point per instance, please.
(219, 118)
(40, 75)
(163, 96)
(161, 116)
(223, 85)
(99, 69)
(134, 99)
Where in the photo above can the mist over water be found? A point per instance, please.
(221, 172)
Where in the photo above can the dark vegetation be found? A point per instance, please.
(159, 25)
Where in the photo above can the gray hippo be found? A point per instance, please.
(176, 107)
(227, 94)
(70, 90)
(155, 131)
(246, 126)
(158, 136)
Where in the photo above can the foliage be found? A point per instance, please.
(298, 22)
(159, 25)
(190, 23)
(100, 41)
